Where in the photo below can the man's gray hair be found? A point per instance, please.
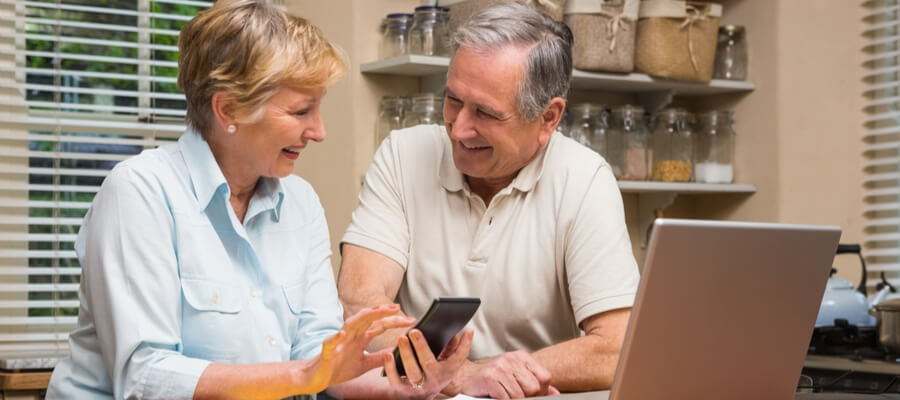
(548, 65)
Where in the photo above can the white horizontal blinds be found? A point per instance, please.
(881, 138)
(84, 84)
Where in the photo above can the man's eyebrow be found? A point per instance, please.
(481, 107)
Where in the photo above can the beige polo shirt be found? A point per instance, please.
(551, 249)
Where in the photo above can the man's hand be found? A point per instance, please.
(434, 374)
(511, 375)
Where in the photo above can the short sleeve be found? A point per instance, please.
(380, 221)
(600, 266)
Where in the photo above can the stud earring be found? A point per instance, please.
(232, 128)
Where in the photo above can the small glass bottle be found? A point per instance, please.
(671, 147)
(627, 141)
(587, 125)
(390, 115)
(731, 54)
(429, 34)
(426, 109)
(394, 35)
(714, 156)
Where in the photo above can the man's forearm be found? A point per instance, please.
(583, 364)
(589, 362)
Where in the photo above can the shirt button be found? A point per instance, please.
(271, 341)
(252, 292)
(215, 298)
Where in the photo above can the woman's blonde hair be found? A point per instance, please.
(249, 50)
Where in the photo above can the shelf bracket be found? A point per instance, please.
(434, 83)
(649, 206)
(655, 101)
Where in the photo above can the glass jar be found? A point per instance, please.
(731, 54)
(426, 109)
(671, 147)
(429, 34)
(714, 156)
(390, 115)
(627, 141)
(587, 125)
(394, 35)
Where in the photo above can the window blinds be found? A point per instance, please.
(84, 84)
(881, 138)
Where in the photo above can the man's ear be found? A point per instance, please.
(223, 110)
(550, 118)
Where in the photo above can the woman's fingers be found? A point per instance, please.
(461, 352)
(426, 357)
(360, 323)
(390, 369)
(413, 373)
(382, 325)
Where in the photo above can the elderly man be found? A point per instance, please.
(496, 205)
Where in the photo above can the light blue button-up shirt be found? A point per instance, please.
(172, 281)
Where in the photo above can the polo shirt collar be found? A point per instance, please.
(453, 180)
(207, 177)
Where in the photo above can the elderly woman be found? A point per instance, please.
(206, 264)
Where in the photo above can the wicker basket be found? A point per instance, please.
(460, 11)
(604, 34)
(677, 39)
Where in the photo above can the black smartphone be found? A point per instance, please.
(444, 319)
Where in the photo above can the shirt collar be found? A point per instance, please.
(207, 178)
(453, 180)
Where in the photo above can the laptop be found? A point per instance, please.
(724, 310)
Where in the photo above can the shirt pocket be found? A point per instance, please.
(205, 295)
(294, 295)
(212, 324)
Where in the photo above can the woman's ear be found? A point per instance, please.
(223, 111)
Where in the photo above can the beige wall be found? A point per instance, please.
(798, 132)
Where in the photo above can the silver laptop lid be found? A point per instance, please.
(724, 310)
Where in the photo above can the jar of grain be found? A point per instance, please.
(603, 33)
(627, 141)
(587, 125)
(714, 156)
(671, 147)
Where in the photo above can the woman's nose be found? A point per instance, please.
(316, 133)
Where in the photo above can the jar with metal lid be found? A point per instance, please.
(588, 126)
(394, 35)
(731, 54)
(671, 147)
(429, 34)
(627, 141)
(426, 109)
(714, 155)
(390, 115)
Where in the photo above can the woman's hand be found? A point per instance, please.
(434, 374)
(343, 355)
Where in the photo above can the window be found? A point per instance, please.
(882, 138)
(84, 84)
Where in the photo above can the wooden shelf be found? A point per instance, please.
(684, 188)
(415, 65)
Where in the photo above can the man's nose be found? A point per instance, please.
(463, 126)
